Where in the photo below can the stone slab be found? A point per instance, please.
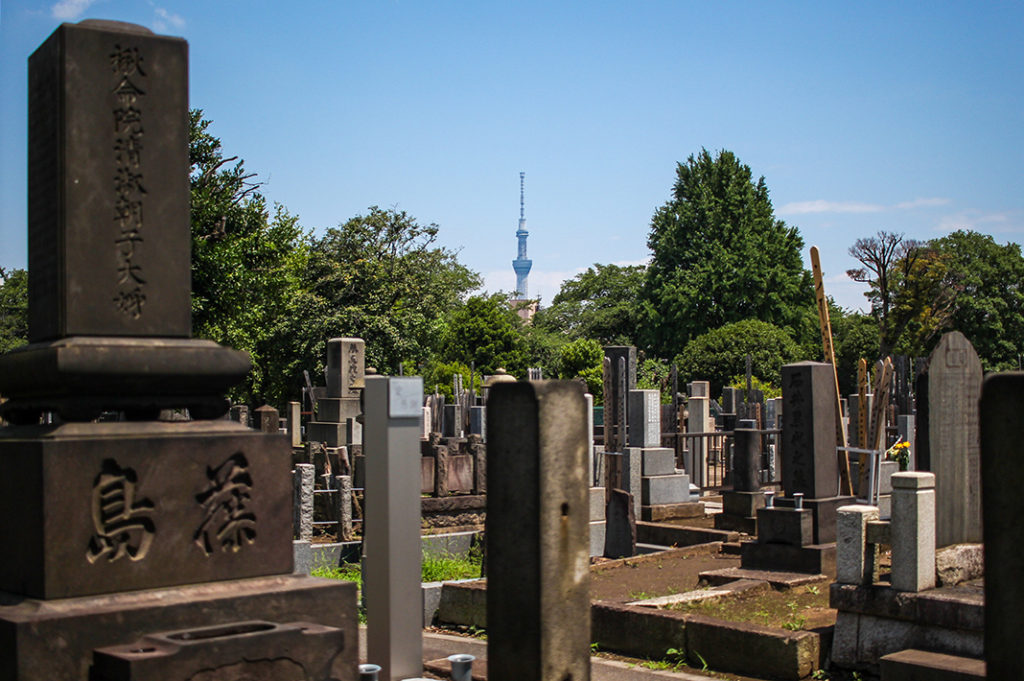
(620, 525)
(102, 507)
(745, 586)
(665, 489)
(644, 418)
(779, 579)
(686, 509)
(598, 529)
(824, 513)
(97, 373)
(743, 504)
(736, 523)
(332, 434)
(924, 665)
(669, 534)
(785, 526)
(337, 409)
(108, 208)
(597, 503)
(253, 650)
(658, 461)
(811, 558)
(30, 627)
(960, 607)
(460, 473)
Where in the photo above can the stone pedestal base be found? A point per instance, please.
(739, 511)
(686, 509)
(48, 640)
(824, 514)
(736, 523)
(90, 508)
(810, 559)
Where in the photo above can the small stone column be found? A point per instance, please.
(856, 560)
(302, 500)
(295, 424)
(343, 506)
(268, 419)
(699, 409)
(913, 531)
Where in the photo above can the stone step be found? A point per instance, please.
(922, 665)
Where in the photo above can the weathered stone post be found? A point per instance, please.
(302, 500)
(538, 607)
(913, 531)
(392, 526)
(856, 560)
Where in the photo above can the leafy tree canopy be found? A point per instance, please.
(247, 265)
(13, 308)
(487, 332)
(719, 355)
(989, 305)
(601, 304)
(720, 256)
(383, 279)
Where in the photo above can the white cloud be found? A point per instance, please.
(165, 21)
(922, 203)
(69, 10)
(823, 206)
(986, 223)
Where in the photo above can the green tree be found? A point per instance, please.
(486, 331)
(438, 375)
(720, 256)
(582, 358)
(989, 306)
(601, 303)
(247, 268)
(719, 355)
(13, 308)
(911, 288)
(382, 278)
(854, 336)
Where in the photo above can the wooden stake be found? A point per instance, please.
(845, 483)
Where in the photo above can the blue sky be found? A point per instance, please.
(903, 116)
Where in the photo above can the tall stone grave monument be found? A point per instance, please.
(137, 544)
(798, 534)
(948, 439)
(336, 424)
(664, 491)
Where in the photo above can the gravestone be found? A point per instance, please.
(644, 418)
(951, 450)
(809, 469)
(619, 379)
(538, 606)
(696, 459)
(1002, 478)
(140, 527)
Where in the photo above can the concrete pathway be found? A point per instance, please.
(437, 646)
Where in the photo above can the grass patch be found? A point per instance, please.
(435, 568)
(795, 609)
